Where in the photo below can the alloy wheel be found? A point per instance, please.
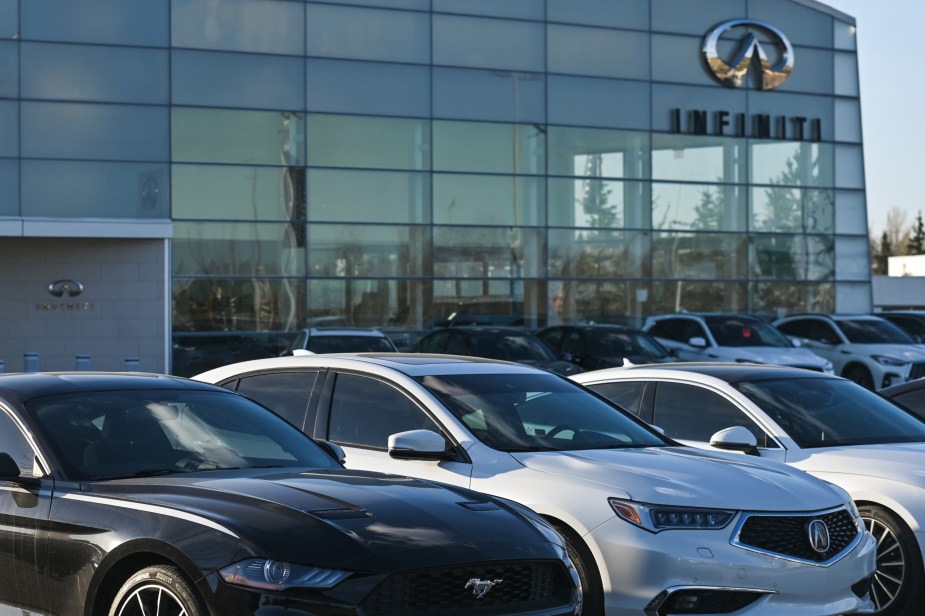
(891, 564)
(152, 600)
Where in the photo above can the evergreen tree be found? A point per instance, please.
(916, 245)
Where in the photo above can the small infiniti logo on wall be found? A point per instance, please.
(732, 74)
(60, 288)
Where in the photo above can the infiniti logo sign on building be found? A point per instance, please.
(733, 73)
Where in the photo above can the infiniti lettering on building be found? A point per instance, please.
(773, 69)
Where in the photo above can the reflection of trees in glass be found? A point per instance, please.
(595, 197)
(790, 207)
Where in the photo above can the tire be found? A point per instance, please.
(898, 587)
(860, 375)
(162, 590)
(588, 575)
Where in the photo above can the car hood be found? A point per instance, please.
(779, 356)
(895, 461)
(908, 352)
(352, 519)
(685, 476)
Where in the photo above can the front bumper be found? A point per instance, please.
(639, 568)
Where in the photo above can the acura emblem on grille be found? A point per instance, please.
(480, 588)
(818, 534)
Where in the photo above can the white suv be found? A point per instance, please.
(730, 337)
(867, 349)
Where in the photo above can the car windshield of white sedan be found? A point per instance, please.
(537, 412)
(818, 412)
(100, 435)
(737, 332)
(873, 331)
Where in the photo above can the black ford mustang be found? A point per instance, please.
(145, 495)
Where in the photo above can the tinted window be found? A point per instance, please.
(681, 330)
(285, 393)
(627, 394)
(625, 344)
(738, 332)
(127, 433)
(14, 443)
(536, 412)
(873, 331)
(811, 329)
(510, 347)
(911, 326)
(832, 412)
(913, 400)
(365, 412)
(349, 344)
(691, 413)
(434, 343)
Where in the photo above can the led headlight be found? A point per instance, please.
(655, 518)
(886, 360)
(279, 575)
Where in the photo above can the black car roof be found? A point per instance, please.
(32, 384)
(737, 373)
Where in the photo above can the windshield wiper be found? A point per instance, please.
(146, 472)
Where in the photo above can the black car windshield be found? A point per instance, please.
(106, 434)
(741, 332)
(823, 412)
(873, 331)
(625, 344)
(349, 344)
(536, 412)
(510, 347)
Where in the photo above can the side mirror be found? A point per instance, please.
(334, 450)
(736, 438)
(418, 445)
(698, 341)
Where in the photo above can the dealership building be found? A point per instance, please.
(185, 181)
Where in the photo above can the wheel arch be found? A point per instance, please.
(133, 556)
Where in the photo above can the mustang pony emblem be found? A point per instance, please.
(480, 588)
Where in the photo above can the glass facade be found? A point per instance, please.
(389, 163)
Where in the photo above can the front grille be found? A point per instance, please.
(788, 535)
(525, 586)
(916, 371)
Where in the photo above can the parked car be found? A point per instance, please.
(593, 347)
(866, 349)
(146, 495)
(340, 340)
(729, 337)
(910, 321)
(653, 527)
(822, 424)
(503, 343)
(910, 396)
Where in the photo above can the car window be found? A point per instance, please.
(551, 337)
(456, 344)
(913, 400)
(574, 344)
(350, 344)
(873, 331)
(284, 393)
(741, 332)
(692, 413)
(627, 394)
(829, 412)
(811, 329)
(509, 347)
(433, 342)
(536, 412)
(367, 411)
(13, 442)
(914, 327)
(123, 433)
(679, 330)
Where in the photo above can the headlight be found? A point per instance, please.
(279, 575)
(886, 360)
(655, 518)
